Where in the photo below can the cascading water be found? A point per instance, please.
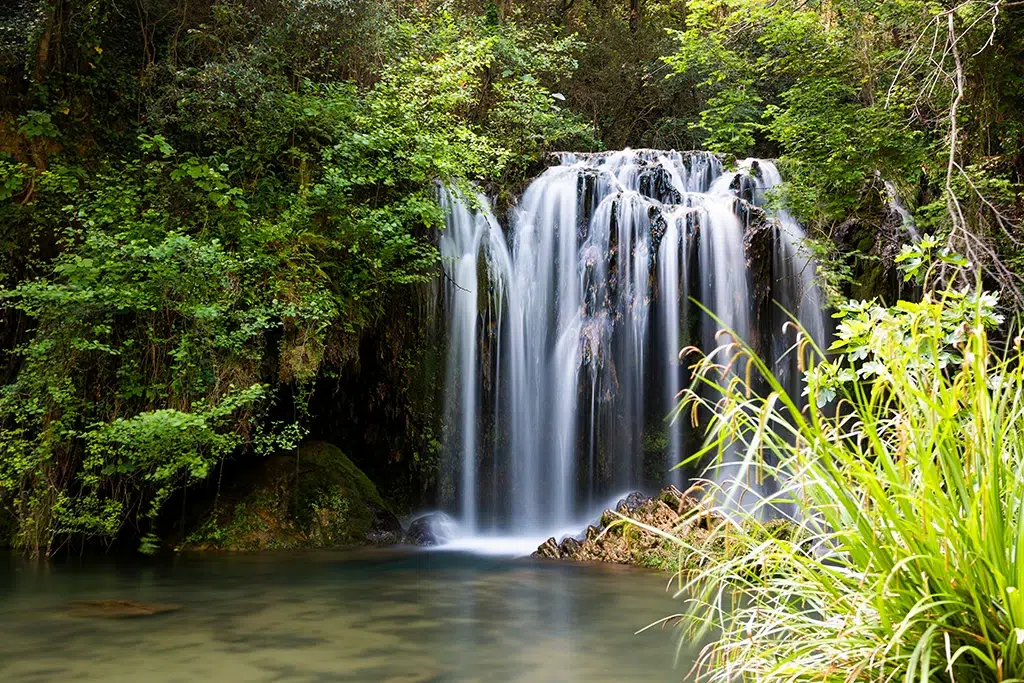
(565, 332)
(793, 270)
(896, 205)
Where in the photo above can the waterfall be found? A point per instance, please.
(794, 284)
(565, 329)
(896, 205)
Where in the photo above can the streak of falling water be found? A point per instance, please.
(468, 233)
(544, 303)
(896, 204)
(795, 286)
(460, 247)
(724, 290)
(669, 290)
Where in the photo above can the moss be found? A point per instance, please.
(328, 480)
(316, 498)
(655, 451)
(871, 280)
(662, 559)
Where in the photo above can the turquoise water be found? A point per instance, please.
(339, 616)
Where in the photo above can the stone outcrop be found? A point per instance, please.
(620, 541)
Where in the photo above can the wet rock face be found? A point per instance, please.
(633, 501)
(385, 528)
(432, 529)
(656, 182)
(549, 549)
(759, 243)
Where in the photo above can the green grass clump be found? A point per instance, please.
(906, 471)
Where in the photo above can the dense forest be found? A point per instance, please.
(220, 217)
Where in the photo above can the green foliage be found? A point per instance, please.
(186, 244)
(36, 124)
(790, 75)
(907, 555)
(866, 327)
(916, 260)
(844, 93)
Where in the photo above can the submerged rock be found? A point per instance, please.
(117, 609)
(316, 498)
(435, 528)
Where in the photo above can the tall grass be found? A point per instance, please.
(906, 561)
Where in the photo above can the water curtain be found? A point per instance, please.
(565, 326)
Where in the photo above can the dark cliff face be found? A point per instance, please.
(759, 244)
(385, 405)
(870, 243)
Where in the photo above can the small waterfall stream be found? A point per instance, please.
(565, 328)
(897, 206)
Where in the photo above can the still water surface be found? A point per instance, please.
(367, 616)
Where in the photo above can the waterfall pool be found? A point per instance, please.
(349, 615)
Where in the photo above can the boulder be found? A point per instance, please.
(570, 548)
(435, 528)
(314, 498)
(549, 549)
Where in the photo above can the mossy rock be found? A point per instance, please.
(316, 498)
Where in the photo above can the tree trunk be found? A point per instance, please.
(43, 52)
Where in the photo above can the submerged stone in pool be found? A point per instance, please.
(117, 609)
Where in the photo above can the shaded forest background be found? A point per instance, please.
(218, 217)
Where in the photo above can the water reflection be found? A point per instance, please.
(340, 616)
